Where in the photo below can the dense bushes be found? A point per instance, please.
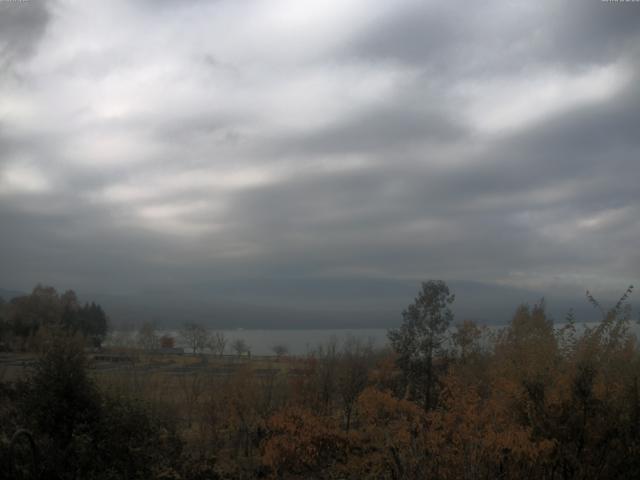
(527, 401)
(79, 432)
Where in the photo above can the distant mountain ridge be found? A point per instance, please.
(332, 304)
(482, 303)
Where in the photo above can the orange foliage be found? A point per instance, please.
(470, 433)
(536, 403)
(390, 441)
(302, 442)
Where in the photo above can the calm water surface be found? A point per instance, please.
(300, 342)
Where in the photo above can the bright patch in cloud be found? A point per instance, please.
(503, 104)
(23, 179)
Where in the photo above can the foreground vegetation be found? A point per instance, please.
(445, 402)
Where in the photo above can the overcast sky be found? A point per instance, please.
(287, 152)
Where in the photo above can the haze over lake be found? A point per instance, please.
(303, 341)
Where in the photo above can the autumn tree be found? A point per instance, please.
(302, 444)
(147, 336)
(386, 375)
(239, 346)
(280, 350)
(30, 312)
(89, 319)
(93, 323)
(325, 374)
(241, 396)
(420, 338)
(390, 441)
(218, 343)
(527, 349)
(479, 432)
(466, 339)
(195, 335)
(352, 375)
(45, 308)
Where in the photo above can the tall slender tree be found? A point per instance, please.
(421, 337)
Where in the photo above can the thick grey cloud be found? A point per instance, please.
(496, 36)
(319, 157)
(21, 28)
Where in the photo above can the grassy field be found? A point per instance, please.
(212, 397)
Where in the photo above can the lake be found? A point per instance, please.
(300, 342)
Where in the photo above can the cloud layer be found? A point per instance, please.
(287, 152)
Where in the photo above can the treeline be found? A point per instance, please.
(197, 337)
(446, 401)
(25, 321)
